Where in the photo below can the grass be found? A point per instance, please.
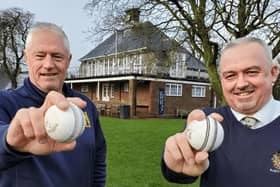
(134, 148)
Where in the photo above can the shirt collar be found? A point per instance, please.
(32, 91)
(272, 107)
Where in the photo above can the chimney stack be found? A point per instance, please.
(132, 16)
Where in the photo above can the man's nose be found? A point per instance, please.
(48, 62)
(241, 81)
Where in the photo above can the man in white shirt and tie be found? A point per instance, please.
(264, 116)
(247, 156)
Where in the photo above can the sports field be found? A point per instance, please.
(134, 148)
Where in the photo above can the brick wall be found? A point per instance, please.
(147, 103)
(173, 103)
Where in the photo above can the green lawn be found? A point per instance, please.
(134, 150)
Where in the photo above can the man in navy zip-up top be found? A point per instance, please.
(249, 155)
(28, 157)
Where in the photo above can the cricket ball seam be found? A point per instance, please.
(206, 138)
(215, 135)
(205, 135)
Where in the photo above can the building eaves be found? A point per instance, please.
(136, 77)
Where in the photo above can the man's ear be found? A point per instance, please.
(24, 56)
(69, 60)
(274, 72)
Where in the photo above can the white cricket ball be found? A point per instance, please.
(206, 135)
(64, 126)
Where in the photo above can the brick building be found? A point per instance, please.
(144, 71)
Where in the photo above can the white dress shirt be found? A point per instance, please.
(269, 112)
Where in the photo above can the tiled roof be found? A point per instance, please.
(194, 63)
(143, 35)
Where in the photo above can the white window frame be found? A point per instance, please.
(198, 91)
(105, 92)
(112, 94)
(178, 68)
(172, 89)
(126, 87)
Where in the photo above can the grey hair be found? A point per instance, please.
(266, 49)
(40, 26)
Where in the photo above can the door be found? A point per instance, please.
(105, 92)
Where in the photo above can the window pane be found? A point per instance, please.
(167, 89)
(173, 89)
(198, 91)
(179, 90)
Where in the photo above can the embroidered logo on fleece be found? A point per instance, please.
(275, 159)
(88, 125)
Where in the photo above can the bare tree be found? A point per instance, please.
(204, 26)
(14, 24)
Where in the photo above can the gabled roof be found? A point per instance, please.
(194, 63)
(141, 36)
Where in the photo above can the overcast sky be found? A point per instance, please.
(68, 14)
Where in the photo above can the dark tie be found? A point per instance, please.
(249, 121)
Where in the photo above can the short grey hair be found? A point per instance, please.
(266, 49)
(40, 26)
